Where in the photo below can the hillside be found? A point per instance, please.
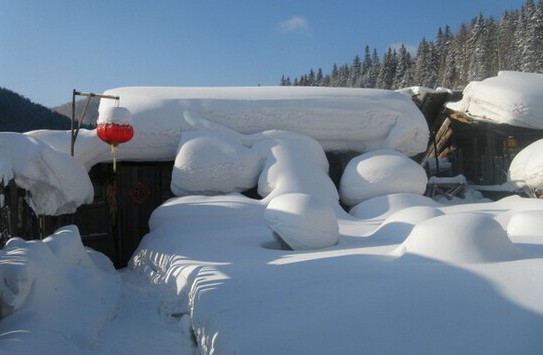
(19, 114)
(90, 116)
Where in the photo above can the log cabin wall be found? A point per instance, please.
(117, 219)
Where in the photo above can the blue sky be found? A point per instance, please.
(48, 48)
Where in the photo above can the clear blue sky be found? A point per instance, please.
(49, 47)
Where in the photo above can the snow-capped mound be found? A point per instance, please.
(526, 169)
(512, 98)
(294, 163)
(57, 182)
(460, 238)
(276, 162)
(526, 224)
(398, 226)
(302, 221)
(380, 172)
(386, 205)
(210, 163)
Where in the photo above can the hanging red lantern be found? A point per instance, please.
(115, 127)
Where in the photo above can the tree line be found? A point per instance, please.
(480, 49)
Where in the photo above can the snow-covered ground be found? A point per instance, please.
(292, 272)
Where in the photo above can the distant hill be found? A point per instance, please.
(19, 114)
(90, 116)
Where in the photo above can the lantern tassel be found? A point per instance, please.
(114, 148)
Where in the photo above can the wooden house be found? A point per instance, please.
(480, 150)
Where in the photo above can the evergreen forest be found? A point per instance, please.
(480, 49)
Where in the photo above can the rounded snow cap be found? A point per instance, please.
(114, 114)
(302, 221)
(380, 172)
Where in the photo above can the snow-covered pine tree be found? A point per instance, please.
(366, 69)
(508, 57)
(385, 78)
(374, 70)
(355, 72)
(402, 76)
(426, 65)
(532, 37)
(320, 78)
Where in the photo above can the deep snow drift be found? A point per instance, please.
(398, 273)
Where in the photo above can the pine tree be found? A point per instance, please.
(366, 69)
(311, 78)
(442, 46)
(320, 78)
(374, 70)
(508, 58)
(355, 72)
(532, 37)
(461, 56)
(385, 77)
(478, 50)
(402, 76)
(425, 66)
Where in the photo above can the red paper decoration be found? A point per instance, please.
(115, 128)
(114, 133)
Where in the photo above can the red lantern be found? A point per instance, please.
(115, 128)
(114, 133)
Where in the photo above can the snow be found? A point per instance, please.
(338, 118)
(512, 98)
(526, 168)
(57, 183)
(373, 174)
(45, 287)
(302, 221)
(468, 238)
(115, 114)
(398, 273)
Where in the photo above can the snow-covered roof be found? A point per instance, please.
(512, 98)
(338, 118)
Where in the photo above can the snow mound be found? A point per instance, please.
(380, 172)
(302, 221)
(294, 163)
(398, 226)
(57, 182)
(220, 160)
(460, 238)
(526, 169)
(386, 205)
(512, 98)
(210, 163)
(526, 224)
(42, 275)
